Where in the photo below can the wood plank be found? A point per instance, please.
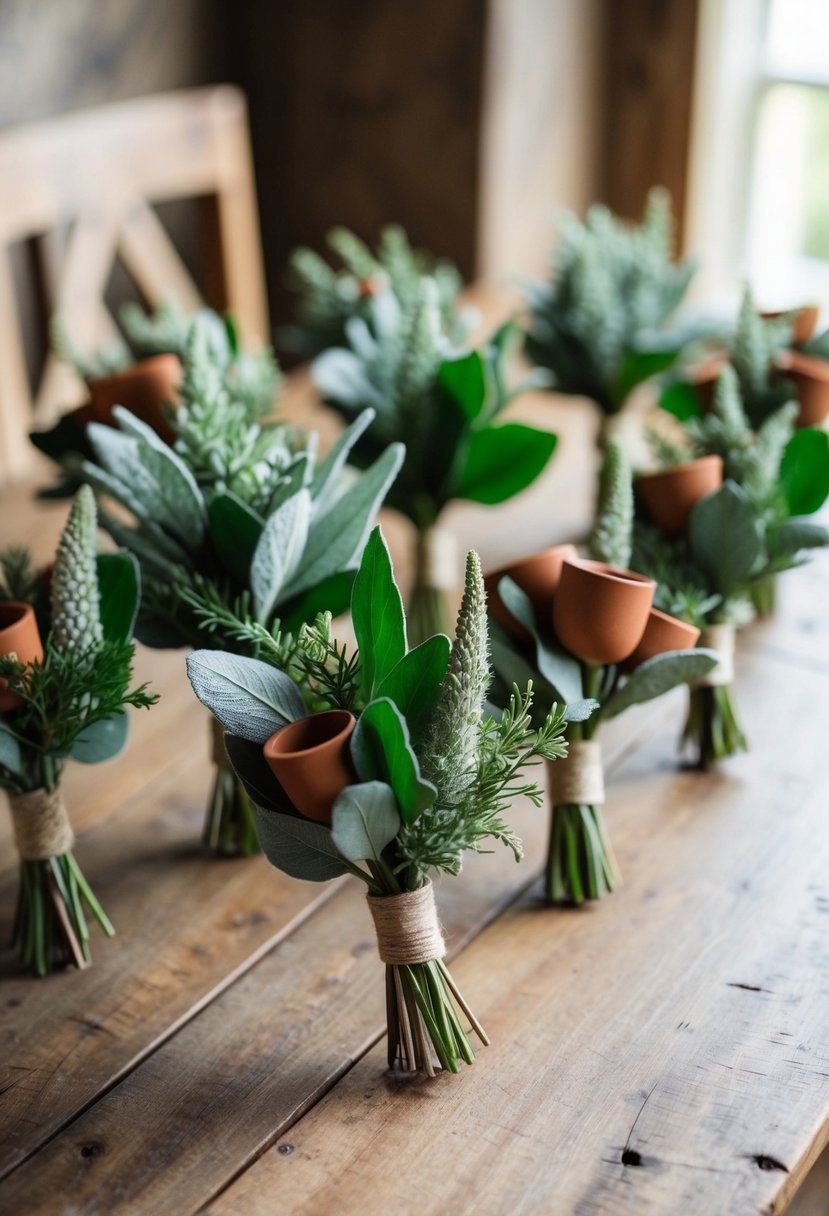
(680, 1024)
(275, 1041)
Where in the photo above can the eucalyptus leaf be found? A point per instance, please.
(659, 675)
(298, 847)
(413, 685)
(119, 586)
(278, 553)
(725, 538)
(250, 698)
(11, 757)
(382, 751)
(364, 820)
(377, 614)
(102, 740)
(336, 539)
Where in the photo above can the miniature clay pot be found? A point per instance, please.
(804, 321)
(671, 494)
(20, 638)
(538, 577)
(600, 611)
(144, 389)
(662, 633)
(810, 377)
(311, 760)
(703, 379)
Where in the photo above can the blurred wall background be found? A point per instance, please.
(468, 121)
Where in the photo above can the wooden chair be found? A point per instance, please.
(81, 188)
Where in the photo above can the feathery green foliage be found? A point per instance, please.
(600, 324)
(76, 608)
(612, 537)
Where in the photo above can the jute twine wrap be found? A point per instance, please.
(407, 927)
(41, 825)
(437, 559)
(578, 779)
(218, 754)
(721, 638)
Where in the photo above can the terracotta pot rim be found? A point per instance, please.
(503, 571)
(19, 610)
(614, 574)
(138, 368)
(675, 470)
(803, 365)
(271, 747)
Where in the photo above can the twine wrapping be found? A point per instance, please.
(218, 753)
(437, 559)
(407, 927)
(721, 638)
(41, 825)
(578, 779)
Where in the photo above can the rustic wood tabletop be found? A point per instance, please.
(664, 1051)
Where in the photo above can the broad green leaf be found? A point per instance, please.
(332, 595)
(725, 538)
(377, 614)
(382, 751)
(179, 503)
(278, 553)
(11, 758)
(414, 683)
(792, 535)
(804, 471)
(336, 539)
(465, 379)
(557, 666)
(250, 698)
(512, 667)
(298, 847)
(235, 529)
(102, 740)
(659, 675)
(119, 584)
(680, 399)
(503, 460)
(254, 772)
(325, 486)
(639, 365)
(364, 820)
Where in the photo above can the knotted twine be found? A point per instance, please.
(41, 825)
(437, 559)
(578, 779)
(407, 927)
(721, 638)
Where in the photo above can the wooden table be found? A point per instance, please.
(666, 1051)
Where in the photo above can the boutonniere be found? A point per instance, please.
(396, 774)
(65, 670)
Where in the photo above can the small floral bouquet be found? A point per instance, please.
(444, 404)
(144, 375)
(585, 632)
(238, 513)
(61, 701)
(396, 770)
(601, 324)
(710, 543)
(329, 298)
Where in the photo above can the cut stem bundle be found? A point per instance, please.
(712, 729)
(425, 1013)
(50, 927)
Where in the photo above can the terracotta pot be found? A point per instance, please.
(19, 636)
(703, 378)
(804, 321)
(600, 612)
(662, 633)
(144, 389)
(371, 286)
(538, 577)
(810, 377)
(311, 760)
(671, 494)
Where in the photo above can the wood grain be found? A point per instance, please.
(680, 1025)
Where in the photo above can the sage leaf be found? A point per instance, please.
(278, 553)
(659, 675)
(250, 698)
(725, 539)
(298, 847)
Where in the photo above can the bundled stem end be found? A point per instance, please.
(229, 828)
(580, 862)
